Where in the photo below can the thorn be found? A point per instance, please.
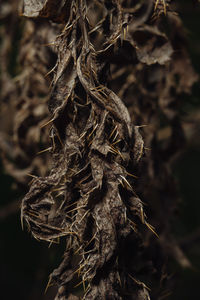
(50, 121)
(126, 181)
(112, 132)
(90, 142)
(84, 179)
(76, 208)
(32, 213)
(118, 152)
(61, 193)
(119, 279)
(58, 189)
(88, 287)
(151, 228)
(67, 27)
(139, 282)
(89, 251)
(132, 222)
(31, 175)
(121, 182)
(54, 242)
(134, 229)
(83, 285)
(99, 88)
(73, 170)
(112, 151)
(30, 182)
(87, 211)
(48, 284)
(79, 270)
(140, 126)
(42, 151)
(81, 136)
(71, 204)
(78, 284)
(50, 243)
(87, 102)
(165, 7)
(77, 251)
(28, 225)
(49, 44)
(115, 136)
(156, 4)
(134, 176)
(116, 142)
(50, 71)
(124, 33)
(91, 240)
(71, 232)
(92, 131)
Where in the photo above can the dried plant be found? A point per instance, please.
(119, 69)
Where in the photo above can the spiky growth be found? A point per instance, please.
(114, 73)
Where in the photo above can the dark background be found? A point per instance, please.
(26, 263)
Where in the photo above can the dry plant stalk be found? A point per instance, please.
(118, 63)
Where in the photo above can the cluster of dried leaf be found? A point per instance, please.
(117, 65)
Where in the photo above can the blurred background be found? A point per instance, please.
(27, 263)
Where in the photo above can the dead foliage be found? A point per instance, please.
(109, 73)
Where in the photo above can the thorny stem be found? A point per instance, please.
(89, 195)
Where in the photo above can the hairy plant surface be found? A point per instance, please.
(118, 70)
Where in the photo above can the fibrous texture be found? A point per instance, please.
(119, 66)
